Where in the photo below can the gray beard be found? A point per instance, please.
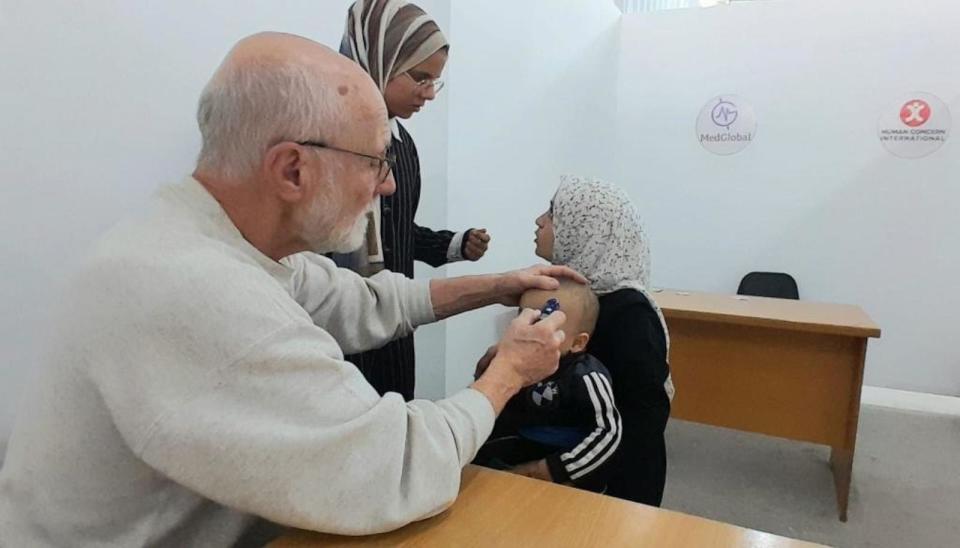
(350, 240)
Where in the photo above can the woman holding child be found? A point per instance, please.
(594, 228)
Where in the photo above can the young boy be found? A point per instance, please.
(565, 428)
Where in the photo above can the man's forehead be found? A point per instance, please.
(387, 135)
(366, 121)
(375, 114)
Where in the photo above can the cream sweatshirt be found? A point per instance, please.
(194, 384)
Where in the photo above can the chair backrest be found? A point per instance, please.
(769, 284)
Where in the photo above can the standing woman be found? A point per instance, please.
(594, 228)
(403, 50)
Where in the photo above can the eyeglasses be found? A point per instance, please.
(385, 166)
(435, 83)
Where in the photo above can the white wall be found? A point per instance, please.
(534, 97)
(97, 106)
(815, 194)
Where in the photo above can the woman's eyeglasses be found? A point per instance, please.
(427, 83)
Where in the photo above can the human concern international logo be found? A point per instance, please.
(915, 112)
(914, 125)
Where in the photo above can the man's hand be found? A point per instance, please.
(477, 243)
(530, 349)
(452, 296)
(528, 352)
(512, 285)
(535, 469)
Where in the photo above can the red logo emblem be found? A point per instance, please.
(915, 112)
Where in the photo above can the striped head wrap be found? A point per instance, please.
(389, 37)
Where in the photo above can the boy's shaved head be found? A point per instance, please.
(577, 301)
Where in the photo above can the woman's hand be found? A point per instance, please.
(477, 243)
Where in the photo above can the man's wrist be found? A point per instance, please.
(451, 296)
(501, 288)
(495, 288)
(492, 289)
(498, 383)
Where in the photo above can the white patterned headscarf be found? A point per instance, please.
(598, 232)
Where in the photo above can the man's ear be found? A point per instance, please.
(580, 342)
(283, 165)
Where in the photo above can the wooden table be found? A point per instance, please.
(787, 368)
(500, 509)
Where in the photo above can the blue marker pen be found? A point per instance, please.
(550, 307)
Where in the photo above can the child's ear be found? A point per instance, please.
(580, 342)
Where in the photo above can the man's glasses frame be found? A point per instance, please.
(387, 163)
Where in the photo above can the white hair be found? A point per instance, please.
(248, 107)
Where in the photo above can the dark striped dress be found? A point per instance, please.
(391, 368)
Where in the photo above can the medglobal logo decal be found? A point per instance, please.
(726, 124)
(724, 113)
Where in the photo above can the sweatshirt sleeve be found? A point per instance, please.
(360, 313)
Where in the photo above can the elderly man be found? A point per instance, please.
(199, 379)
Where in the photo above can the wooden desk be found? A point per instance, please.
(787, 368)
(500, 509)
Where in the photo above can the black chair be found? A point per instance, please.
(769, 284)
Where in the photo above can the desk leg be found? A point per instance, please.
(841, 456)
(841, 461)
